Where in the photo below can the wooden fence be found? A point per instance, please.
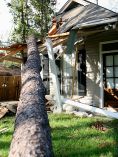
(10, 87)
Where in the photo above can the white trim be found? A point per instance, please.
(107, 42)
(101, 81)
(90, 108)
(96, 22)
(53, 73)
(101, 69)
(112, 51)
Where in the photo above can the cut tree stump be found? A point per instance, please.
(32, 137)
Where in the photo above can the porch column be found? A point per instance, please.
(55, 81)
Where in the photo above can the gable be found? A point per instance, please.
(70, 4)
(73, 5)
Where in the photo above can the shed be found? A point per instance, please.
(10, 84)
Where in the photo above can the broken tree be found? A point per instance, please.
(32, 136)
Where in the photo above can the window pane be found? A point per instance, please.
(116, 71)
(109, 72)
(116, 60)
(116, 83)
(109, 60)
(110, 83)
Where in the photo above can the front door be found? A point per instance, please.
(110, 78)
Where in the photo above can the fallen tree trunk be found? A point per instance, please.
(31, 136)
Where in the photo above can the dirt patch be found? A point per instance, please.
(99, 126)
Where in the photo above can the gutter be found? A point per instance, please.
(95, 23)
(91, 108)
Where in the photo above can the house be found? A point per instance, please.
(89, 65)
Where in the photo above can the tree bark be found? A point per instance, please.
(31, 136)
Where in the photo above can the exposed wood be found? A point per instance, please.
(54, 75)
(13, 52)
(14, 49)
(59, 35)
(80, 32)
(13, 59)
(53, 30)
(32, 137)
(59, 41)
(6, 48)
(54, 44)
(19, 47)
(91, 108)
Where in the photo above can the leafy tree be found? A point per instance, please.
(31, 16)
(42, 14)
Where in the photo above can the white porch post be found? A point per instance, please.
(55, 81)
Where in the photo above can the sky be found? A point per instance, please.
(6, 23)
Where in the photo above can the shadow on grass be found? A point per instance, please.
(84, 141)
(5, 140)
(8, 133)
(4, 145)
(64, 118)
(114, 125)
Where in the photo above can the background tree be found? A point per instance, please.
(31, 16)
(43, 10)
(20, 12)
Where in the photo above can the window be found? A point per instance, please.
(111, 70)
(82, 72)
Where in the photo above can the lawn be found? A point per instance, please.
(73, 136)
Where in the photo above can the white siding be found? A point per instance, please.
(94, 65)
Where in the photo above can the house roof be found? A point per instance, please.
(9, 72)
(86, 16)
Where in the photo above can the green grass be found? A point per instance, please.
(72, 136)
(5, 137)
